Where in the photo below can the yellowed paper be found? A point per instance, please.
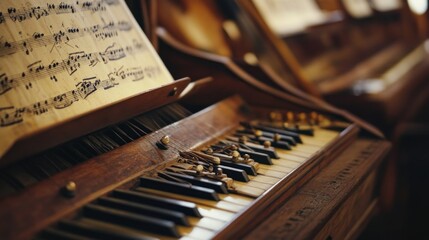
(60, 59)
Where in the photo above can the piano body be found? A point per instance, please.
(368, 57)
(164, 158)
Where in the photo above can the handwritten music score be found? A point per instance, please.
(61, 59)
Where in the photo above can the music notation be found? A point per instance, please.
(73, 63)
(62, 59)
(38, 39)
(38, 12)
(13, 115)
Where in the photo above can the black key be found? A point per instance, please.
(305, 131)
(270, 136)
(218, 186)
(151, 211)
(290, 140)
(294, 135)
(234, 173)
(260, 149)
(256, 147)
(179, 188)
(98, 232)
(246, 167)
(54, 234)
(277, 144)
(281, 145)
(123, 218)
(258, 157)
(188, 208)
(226, 160)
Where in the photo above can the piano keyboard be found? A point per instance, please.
(219, 169)
(192, 198)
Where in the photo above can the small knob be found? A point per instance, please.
(277, 137)
(69, 190)
(163, 142)
(267, 144)
(258, 133)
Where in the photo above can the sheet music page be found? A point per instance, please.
(60, 59)
(290, 16)
(358, 8)
(386, 5)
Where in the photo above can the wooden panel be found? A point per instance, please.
(354, 213)
(305, 214)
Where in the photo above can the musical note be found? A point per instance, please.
(39, 108)
(37, 70)
(112, 54)
(15, 15)
(38, 12)
(62, 101)
(136, 74)
(152, 71)
(5, 83)
(93, 6)
(106, 34)
(124, 26)
(83, 89)
(39, 39)
(65, 8)
(2, 20)
(8, 118)
(86, 87)
(108, 83)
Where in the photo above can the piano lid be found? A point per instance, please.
(386, 5)
(62, 59)
(358, 8)
(287, 17)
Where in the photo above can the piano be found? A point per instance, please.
(368, 57)
(223, 156)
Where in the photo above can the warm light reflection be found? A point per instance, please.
(386, 5)
(418, 6)
(358, 8)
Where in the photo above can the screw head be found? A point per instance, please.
(209, 150)
(199, 168)
(277, 137)
(235, 154)
(267, 144)
(258, 133)
(165, 140)
(69, 190)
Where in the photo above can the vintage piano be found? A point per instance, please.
(99, 142)
(365, 56)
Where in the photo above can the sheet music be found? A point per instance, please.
(290, 16)
(60, 59)
(358, 8)
(386, 5)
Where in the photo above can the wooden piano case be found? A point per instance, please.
(368, 65)
(308, 202)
